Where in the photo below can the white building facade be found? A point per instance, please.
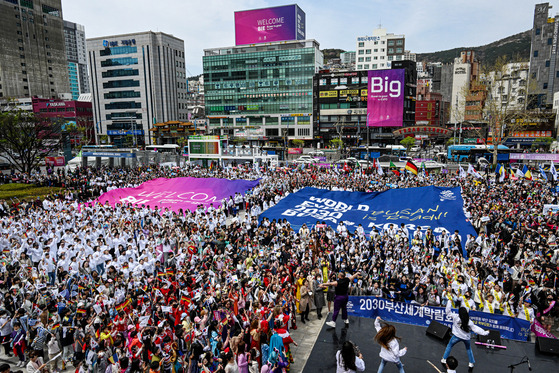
(137, 80)
(377, 52)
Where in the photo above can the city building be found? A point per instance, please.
(137, 80)
(340, 107)
(32, 49)
(74, 117)
(544, 66)
(347, 58)
(195, 102)
(377, 52)
(76, 53)
(262, 92)
(465, 71)
(431, 110)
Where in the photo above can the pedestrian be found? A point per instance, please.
(462, 327)
(318, 293)
(305, 301)
(348, 360)
(340, 301)
(390, 351)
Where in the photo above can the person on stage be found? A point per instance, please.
(340, 301)
(348, 361)
(462, 327)
(389, 346)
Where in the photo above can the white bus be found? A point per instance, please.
(167, 148)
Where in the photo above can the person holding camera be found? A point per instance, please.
(349, 359)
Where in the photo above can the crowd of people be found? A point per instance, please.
(130, 289)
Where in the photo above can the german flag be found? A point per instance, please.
(121, 306)
(97, 334)
(81, 287)
(145, 288)
(55, 326)
(170, 271)
(185, 299)
(411, 167)
(6, 251)
(161, 274)
(81, 310)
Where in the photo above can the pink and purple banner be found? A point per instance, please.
(269, 25)
(385, 104)
(184, 193)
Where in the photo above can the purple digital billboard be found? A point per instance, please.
(270, 24)
(385, 103)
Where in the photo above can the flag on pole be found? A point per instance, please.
(502, 173)
(423, 170)
(526, 172)
(461, 173)
(113, 359)
(411, 167)
(379, 169)
(553, 171)
(472, 171)
(542, 172)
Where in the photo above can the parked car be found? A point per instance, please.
(415, 149)
(316, 153)
(305, 159)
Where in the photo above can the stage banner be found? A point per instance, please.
(406, 313)
(435, 207)
(184, 193)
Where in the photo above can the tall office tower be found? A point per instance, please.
(76, 53)
(32, 51)
(137, 80)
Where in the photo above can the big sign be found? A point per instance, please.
(385, 103)
(435, 207)
(184, 193)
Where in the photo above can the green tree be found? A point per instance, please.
(25, 139)
(408, 142)
(297, 143)
(336, 143)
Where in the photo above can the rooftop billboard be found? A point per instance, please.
(269, 24)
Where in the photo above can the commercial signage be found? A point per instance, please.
(125, 132)
(385, 103)
(371, 307)
(269, 25)
(534, 157)
(439, 208)
(115, 43)
(531, 134)
(54, 161)
(109, 154)
(368, 38)
(294, 150)
(422, 129)
(56, 104)
(324, 94)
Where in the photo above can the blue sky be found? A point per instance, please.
(428, 25)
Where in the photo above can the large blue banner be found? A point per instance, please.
(428, 207)
(406, 313)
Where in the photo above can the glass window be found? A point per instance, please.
(118, 50)
(367, 51)
(360, 59)
(368, 59)
(535, 53)
(121, 83)
(119, 72)
(390, 43)
(366, 66)
(361, 44)
(361, 51)
(119, 61)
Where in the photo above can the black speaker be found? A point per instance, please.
(547, 345)
(438, 330)
(493, 338)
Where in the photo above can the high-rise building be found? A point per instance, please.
(32, 50)
(137, 80)
(267, 87)
(76, 53)
(544, 66)
(377, 52)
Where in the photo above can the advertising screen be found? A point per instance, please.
(269, 24)
(385, 103)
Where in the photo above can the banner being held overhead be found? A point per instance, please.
(371, 307)
(184, 193)
(436, 207)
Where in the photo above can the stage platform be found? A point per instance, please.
(421, 348)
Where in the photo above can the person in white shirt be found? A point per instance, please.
(462, 327)
(525, 311)
(348, 361)
(390, 348)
